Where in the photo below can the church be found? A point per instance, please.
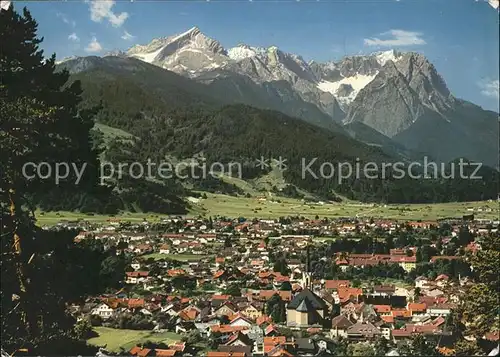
(306, 309)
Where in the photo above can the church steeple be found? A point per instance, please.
(306, 279)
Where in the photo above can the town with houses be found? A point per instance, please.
(286, 287)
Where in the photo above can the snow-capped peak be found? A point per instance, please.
(192, 37)
(186, 53)
(243, 51)
(384, 56)
(193, 31)
(351, 74)
(192, 53)
(4, 5)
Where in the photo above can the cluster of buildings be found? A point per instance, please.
(243, 307)
(321, 310)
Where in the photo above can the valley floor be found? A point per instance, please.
(274, 207)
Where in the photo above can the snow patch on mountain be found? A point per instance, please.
(330, 65)
(183, 53)
(242, 51)
(391, 55)
(192, 30)
(194, 54)
(65, 59)
(357, 83)
(147, 57)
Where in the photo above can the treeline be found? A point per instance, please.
(329, 270)
(321, 257)
(453, 268)
(242, 134)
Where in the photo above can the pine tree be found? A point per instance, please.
(477, 313)
(42, 115)
(39, 121)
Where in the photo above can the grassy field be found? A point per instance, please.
(113, 339)
(263, 184)
(52, 218)
(269, 207)
(110, 133)
(179, 257)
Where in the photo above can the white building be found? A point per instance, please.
(103, 310)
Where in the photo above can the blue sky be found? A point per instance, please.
(459, 36)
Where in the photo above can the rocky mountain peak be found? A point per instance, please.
(117, 53)
(193, 31)
(425, 80)
(384, 56)
(364, 65)
(184, 53)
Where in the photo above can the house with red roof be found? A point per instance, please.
(178, 346)
(401, 313)
(135, 303)
(175, 272)
(189, 314)
(226, 309)
(141, 352)
(239, 339)
(336, 284)
(165, 353)
(349, 294)
(271, 330)
(227, 329)
(417, 308)
(240, 320)
(165, 249)
(270, 343)
(261, 320)
(382, 310)
(134, 277)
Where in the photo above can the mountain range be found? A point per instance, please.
(399, 95)
(183, 95)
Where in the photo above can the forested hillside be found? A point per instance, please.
(170, 116)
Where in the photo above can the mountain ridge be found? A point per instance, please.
(258, 63)
(399, 94)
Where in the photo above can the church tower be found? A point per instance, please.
(306, 275)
